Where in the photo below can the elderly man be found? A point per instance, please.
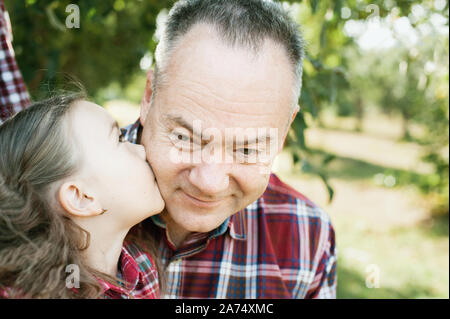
(231, 229)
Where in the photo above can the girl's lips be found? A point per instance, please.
(201, 203)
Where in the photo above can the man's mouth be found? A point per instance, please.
(200, 202)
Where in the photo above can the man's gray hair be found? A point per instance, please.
(246, 23)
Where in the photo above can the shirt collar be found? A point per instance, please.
(236, 224)
(131, 132)
(128, 272)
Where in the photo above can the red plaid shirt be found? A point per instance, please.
(138, 270)
(280, 246)
(13, 93)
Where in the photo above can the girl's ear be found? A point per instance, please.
(78, 203)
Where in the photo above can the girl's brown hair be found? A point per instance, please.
(37, 241)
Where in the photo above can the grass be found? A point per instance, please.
(386, 227)
(411, 263)
(354, 169)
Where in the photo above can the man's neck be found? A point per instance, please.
(176, 234)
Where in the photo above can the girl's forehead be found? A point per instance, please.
(89, 123)
(88, 113)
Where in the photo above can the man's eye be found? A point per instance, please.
(180, 137)
(247, 151)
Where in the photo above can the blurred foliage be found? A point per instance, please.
(106, 51)
(113, 37)
(410, 80)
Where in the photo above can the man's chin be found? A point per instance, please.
(196, 223)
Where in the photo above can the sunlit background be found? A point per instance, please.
(370, 145)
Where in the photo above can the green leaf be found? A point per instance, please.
(307, 102)
(91, 13)
(323, 35)
(328, 159)
(295, 157)
(337, 7)
(299, 126)
(119, 5)
(314, 5)
(328, 186)
(306, 166)
(333, 88)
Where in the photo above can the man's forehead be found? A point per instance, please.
(208, 62)
(203, 37)
(218, 107)
(224, 86)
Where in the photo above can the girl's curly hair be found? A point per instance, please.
(37, 241)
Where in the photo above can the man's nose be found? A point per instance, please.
(210, 179)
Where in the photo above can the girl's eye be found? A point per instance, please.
(122, 135)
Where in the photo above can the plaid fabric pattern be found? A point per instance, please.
(137, 269)
(280, 246)
(13, 93)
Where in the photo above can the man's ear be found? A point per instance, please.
(76, 202)
(294, 114)
(145, 103)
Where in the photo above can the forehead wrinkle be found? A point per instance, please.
(184, 71)
(196, 97)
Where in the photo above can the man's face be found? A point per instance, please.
(220, 89)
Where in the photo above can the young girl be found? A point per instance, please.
(70, 190)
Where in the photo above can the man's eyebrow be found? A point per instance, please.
(180, 121)
(267, 138)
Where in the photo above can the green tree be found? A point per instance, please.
(113, 37)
